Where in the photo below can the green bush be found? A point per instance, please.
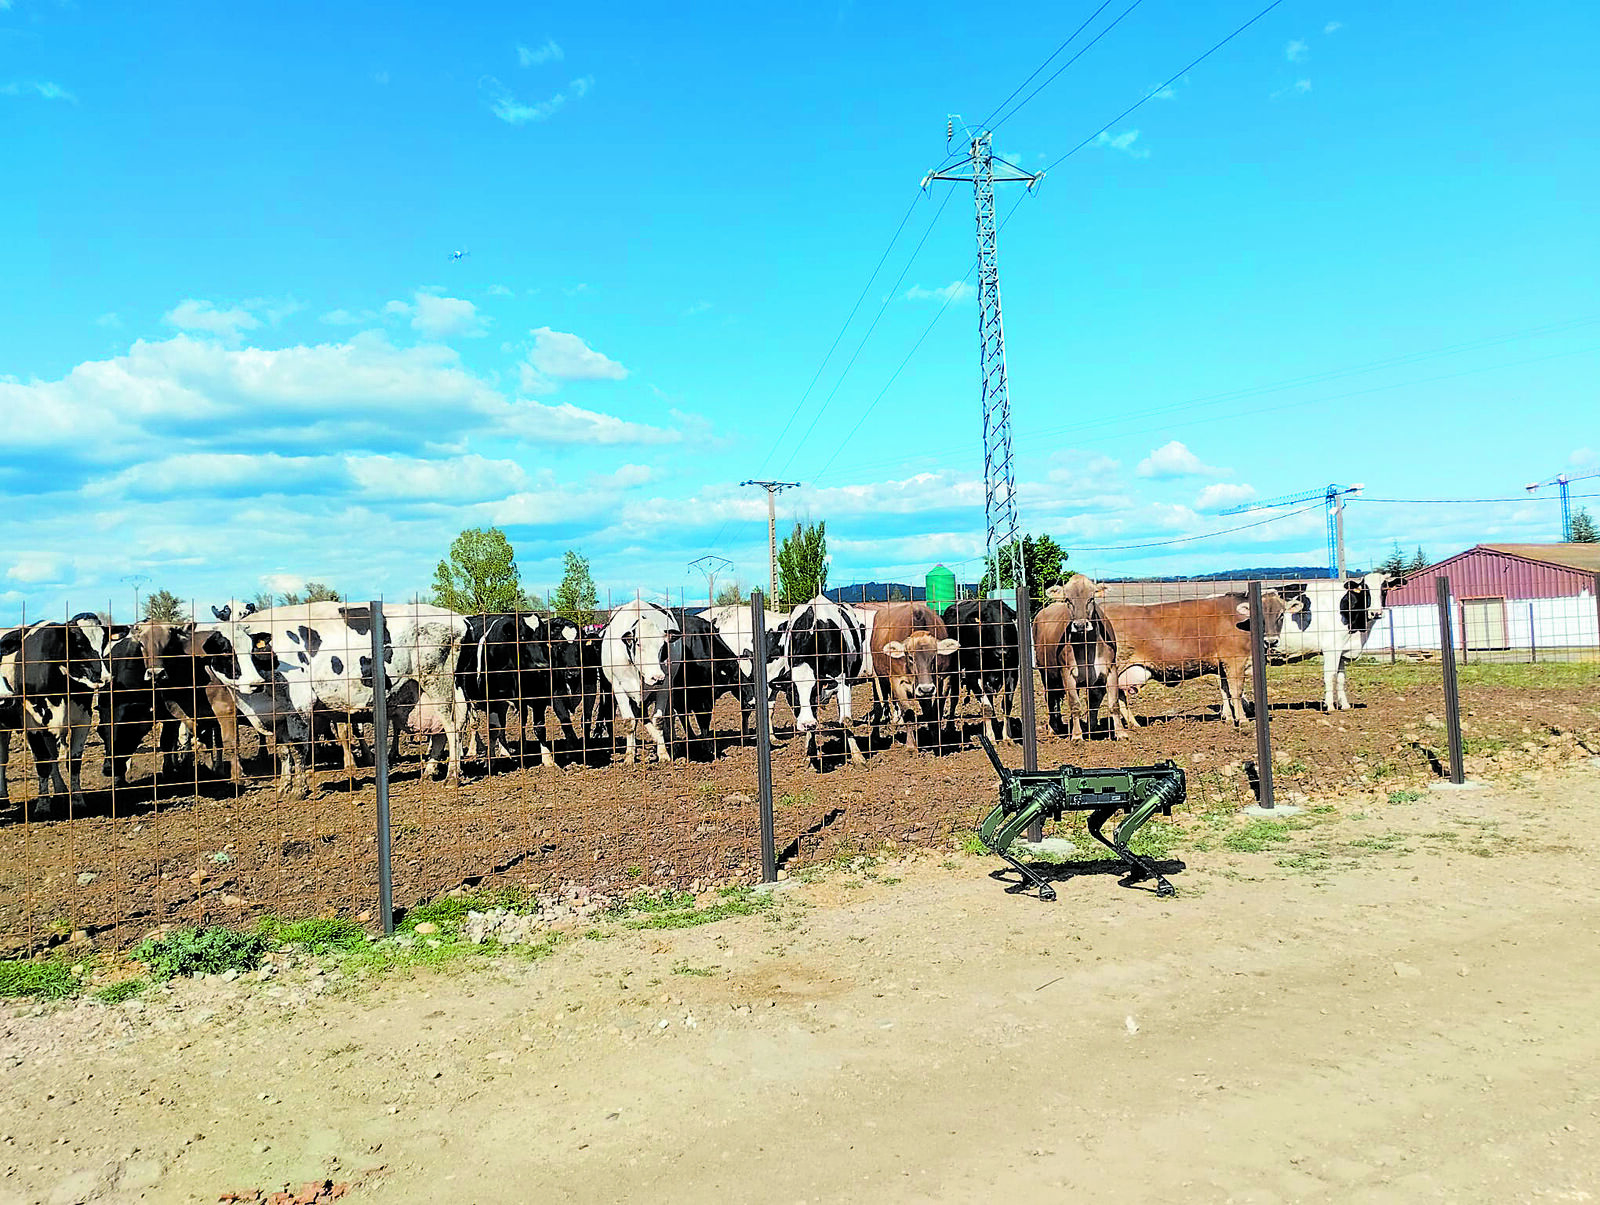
(123, 989)
(318, 936)
(45, 980)
(202, 952)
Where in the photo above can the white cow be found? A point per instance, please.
(1335, 620)
(736, 625)
(324, 650)
(243, 662)
(633, 656)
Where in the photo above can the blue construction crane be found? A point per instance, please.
(1334, 498)
(1564, 481)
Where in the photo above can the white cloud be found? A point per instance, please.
(956, 290)
(435, 316)
(558, 356)
(1333, 27)
(1222, 494)
(698, 307)
(1123, 142)
(192, 315)
(1299, 88)
(547, 53)
(1583, 458)
(1296, 51)
(470, 478)
(109, 320)
(344, 317)
(33, 568)
(514, 112)
(1174, 459)
(44, 89)
(500, 291)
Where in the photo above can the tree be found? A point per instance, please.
(1044, 562)
(898, 594)
(1395, 564)
(575, 598)
(480, 574)
(1583, 528)
(802, 563)
(163, 606)
(313, 592)
(1419, 561)
(261, 601)
(731, 595)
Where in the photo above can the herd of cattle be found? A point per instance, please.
(297, 673)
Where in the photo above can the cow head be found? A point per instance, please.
(1297, 593)
(85, 651)
(1274, 610)
(1361, 603)
(233, 609)
(816, 646)
(918, 656)
(1081, 596)
(157, 643)
(646, 644)
(238, 659)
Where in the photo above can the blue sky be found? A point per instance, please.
(1357, 244)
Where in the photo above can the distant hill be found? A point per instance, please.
(858, 592)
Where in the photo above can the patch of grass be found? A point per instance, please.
(318, 936)
(1307, 861)
(1256, 836)
(1405, 796)
(676, 909)
(1384, 843)
(790, 800)
(972, 844)
(47, 980)
(123, 989)
(684, 968)
(210, 951)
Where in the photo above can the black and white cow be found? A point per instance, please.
(735, 624)
(1335, 620)
(324, 651)
(49, 673)
(986, 664)
(825, 646)
(701, 666)
(524, 660)
(241, 661)
(634, 656)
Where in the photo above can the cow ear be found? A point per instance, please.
(1244, 610)
(1099, 590)
(1294, 606)
(894, 649)
(1056, 593)
(948, 646)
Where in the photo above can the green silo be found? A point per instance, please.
(941, 584)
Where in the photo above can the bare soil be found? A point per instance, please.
(196, 852)
(1392, 1002)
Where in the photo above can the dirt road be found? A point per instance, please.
(1396, 1004)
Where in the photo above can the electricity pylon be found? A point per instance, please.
(999, 473)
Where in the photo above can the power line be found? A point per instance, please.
(1210, 535)
(1051, 57)
(1162, 87)
(889, 297)
(1115, 22)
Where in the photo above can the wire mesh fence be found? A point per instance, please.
(216, 770)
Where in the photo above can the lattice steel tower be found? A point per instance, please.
(999, 476)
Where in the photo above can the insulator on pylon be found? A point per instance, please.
(949, 129)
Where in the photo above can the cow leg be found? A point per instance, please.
(77, 738)
(1230, 681)
(5, 761)
(1113, 700)
(498, 714)
(1342, 699)
(623, 711)
(541, 730)
(1075, 703)
(228, 724)
(846, 702)
(42, 744)
(1330, 672)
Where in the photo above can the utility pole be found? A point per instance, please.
(773, 488)
(999, 474)
(711, 565)
(1333, 497)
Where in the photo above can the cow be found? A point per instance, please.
(324, 651)
(1076, 648)
(825, 647)
(1334, 620)
(242, 662)
(527, 660)
(913, 656)
(49, 673)
(701, 667)
(1171, 642)
(988, 659)
(736, 625)
(175, 661)
(634, 657)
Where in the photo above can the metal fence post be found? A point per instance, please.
(1258, 673)
(380, 760)
(1533, 637)
(1391, 636)
(1447, 659)
(1030, 734)
(758, 662)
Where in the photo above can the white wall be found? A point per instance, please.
(1557, 623)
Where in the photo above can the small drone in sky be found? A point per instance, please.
(455, 255)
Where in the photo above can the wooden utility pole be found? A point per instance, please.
(773, 488)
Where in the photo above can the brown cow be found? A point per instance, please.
(912, 659)
(175, 659)
(1076, 648)
(1171, 642)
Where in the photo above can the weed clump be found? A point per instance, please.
(187, 952)
(50, 980)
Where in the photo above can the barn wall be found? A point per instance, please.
(1571, 622)
(1481, 573)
